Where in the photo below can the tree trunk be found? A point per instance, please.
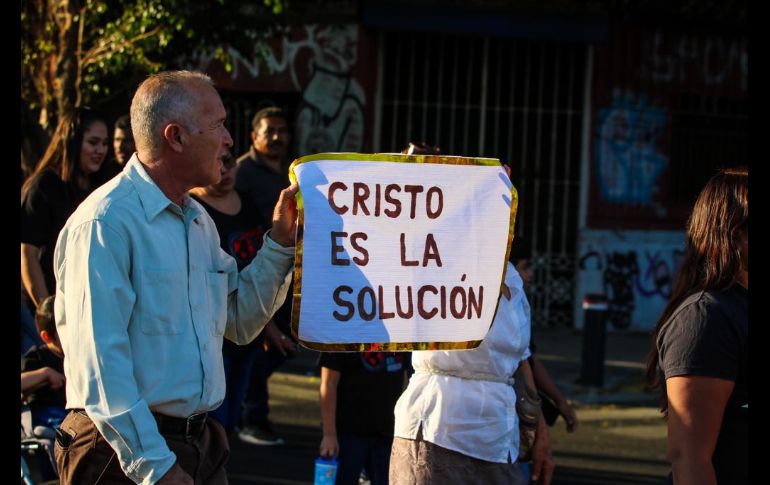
(66, 78)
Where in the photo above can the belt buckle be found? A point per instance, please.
(193, 424)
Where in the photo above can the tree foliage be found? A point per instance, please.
(77, 52)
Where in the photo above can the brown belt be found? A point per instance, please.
(190, 427)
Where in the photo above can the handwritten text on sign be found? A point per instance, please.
(400, 252)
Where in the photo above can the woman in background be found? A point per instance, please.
(700, 351)
(69, 170)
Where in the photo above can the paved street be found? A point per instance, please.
(621, 439)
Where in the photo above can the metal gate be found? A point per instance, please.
(521, 101)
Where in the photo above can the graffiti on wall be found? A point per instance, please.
(689, 59)
(636, 274)
(332, 115)
(658, 278)
(626, 149)
(318, 63)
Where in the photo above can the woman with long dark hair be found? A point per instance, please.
(700, 351)
(70, 169)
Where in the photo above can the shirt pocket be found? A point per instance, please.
(160, 308)
(217, 296)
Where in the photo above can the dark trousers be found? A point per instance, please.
(371, 453)
(255, 407)
(88, 458)
(239, 364)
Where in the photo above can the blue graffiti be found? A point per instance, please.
(658, 279)
(633, 278)
(626, 151)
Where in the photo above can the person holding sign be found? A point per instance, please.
(456, 421)
(145, 295)
(382, 267)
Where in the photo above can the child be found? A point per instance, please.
(45, 364)
(358, 393)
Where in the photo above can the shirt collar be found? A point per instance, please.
(153, 200)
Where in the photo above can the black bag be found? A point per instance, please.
(550, 411)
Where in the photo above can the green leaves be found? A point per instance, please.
(128, 39)
(275, 5)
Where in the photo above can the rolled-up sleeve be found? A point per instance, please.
(95, 298)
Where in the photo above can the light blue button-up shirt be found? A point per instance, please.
(144, 296)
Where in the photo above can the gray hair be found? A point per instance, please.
(161, 99)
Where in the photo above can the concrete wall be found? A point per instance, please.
(635, 269)
(668, 108)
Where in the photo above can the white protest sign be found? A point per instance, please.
(399, 252)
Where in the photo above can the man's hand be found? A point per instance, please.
(55, 378)
(34, 380)
(568, 412)
(542, 462)
(284, 229)
(278, 340)
(176, 476)
(329, 446)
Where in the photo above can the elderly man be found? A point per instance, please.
(145, 295)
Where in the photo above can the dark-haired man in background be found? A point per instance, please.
(262, 173)
(123, 140)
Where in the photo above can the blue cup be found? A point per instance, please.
(325, 471)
